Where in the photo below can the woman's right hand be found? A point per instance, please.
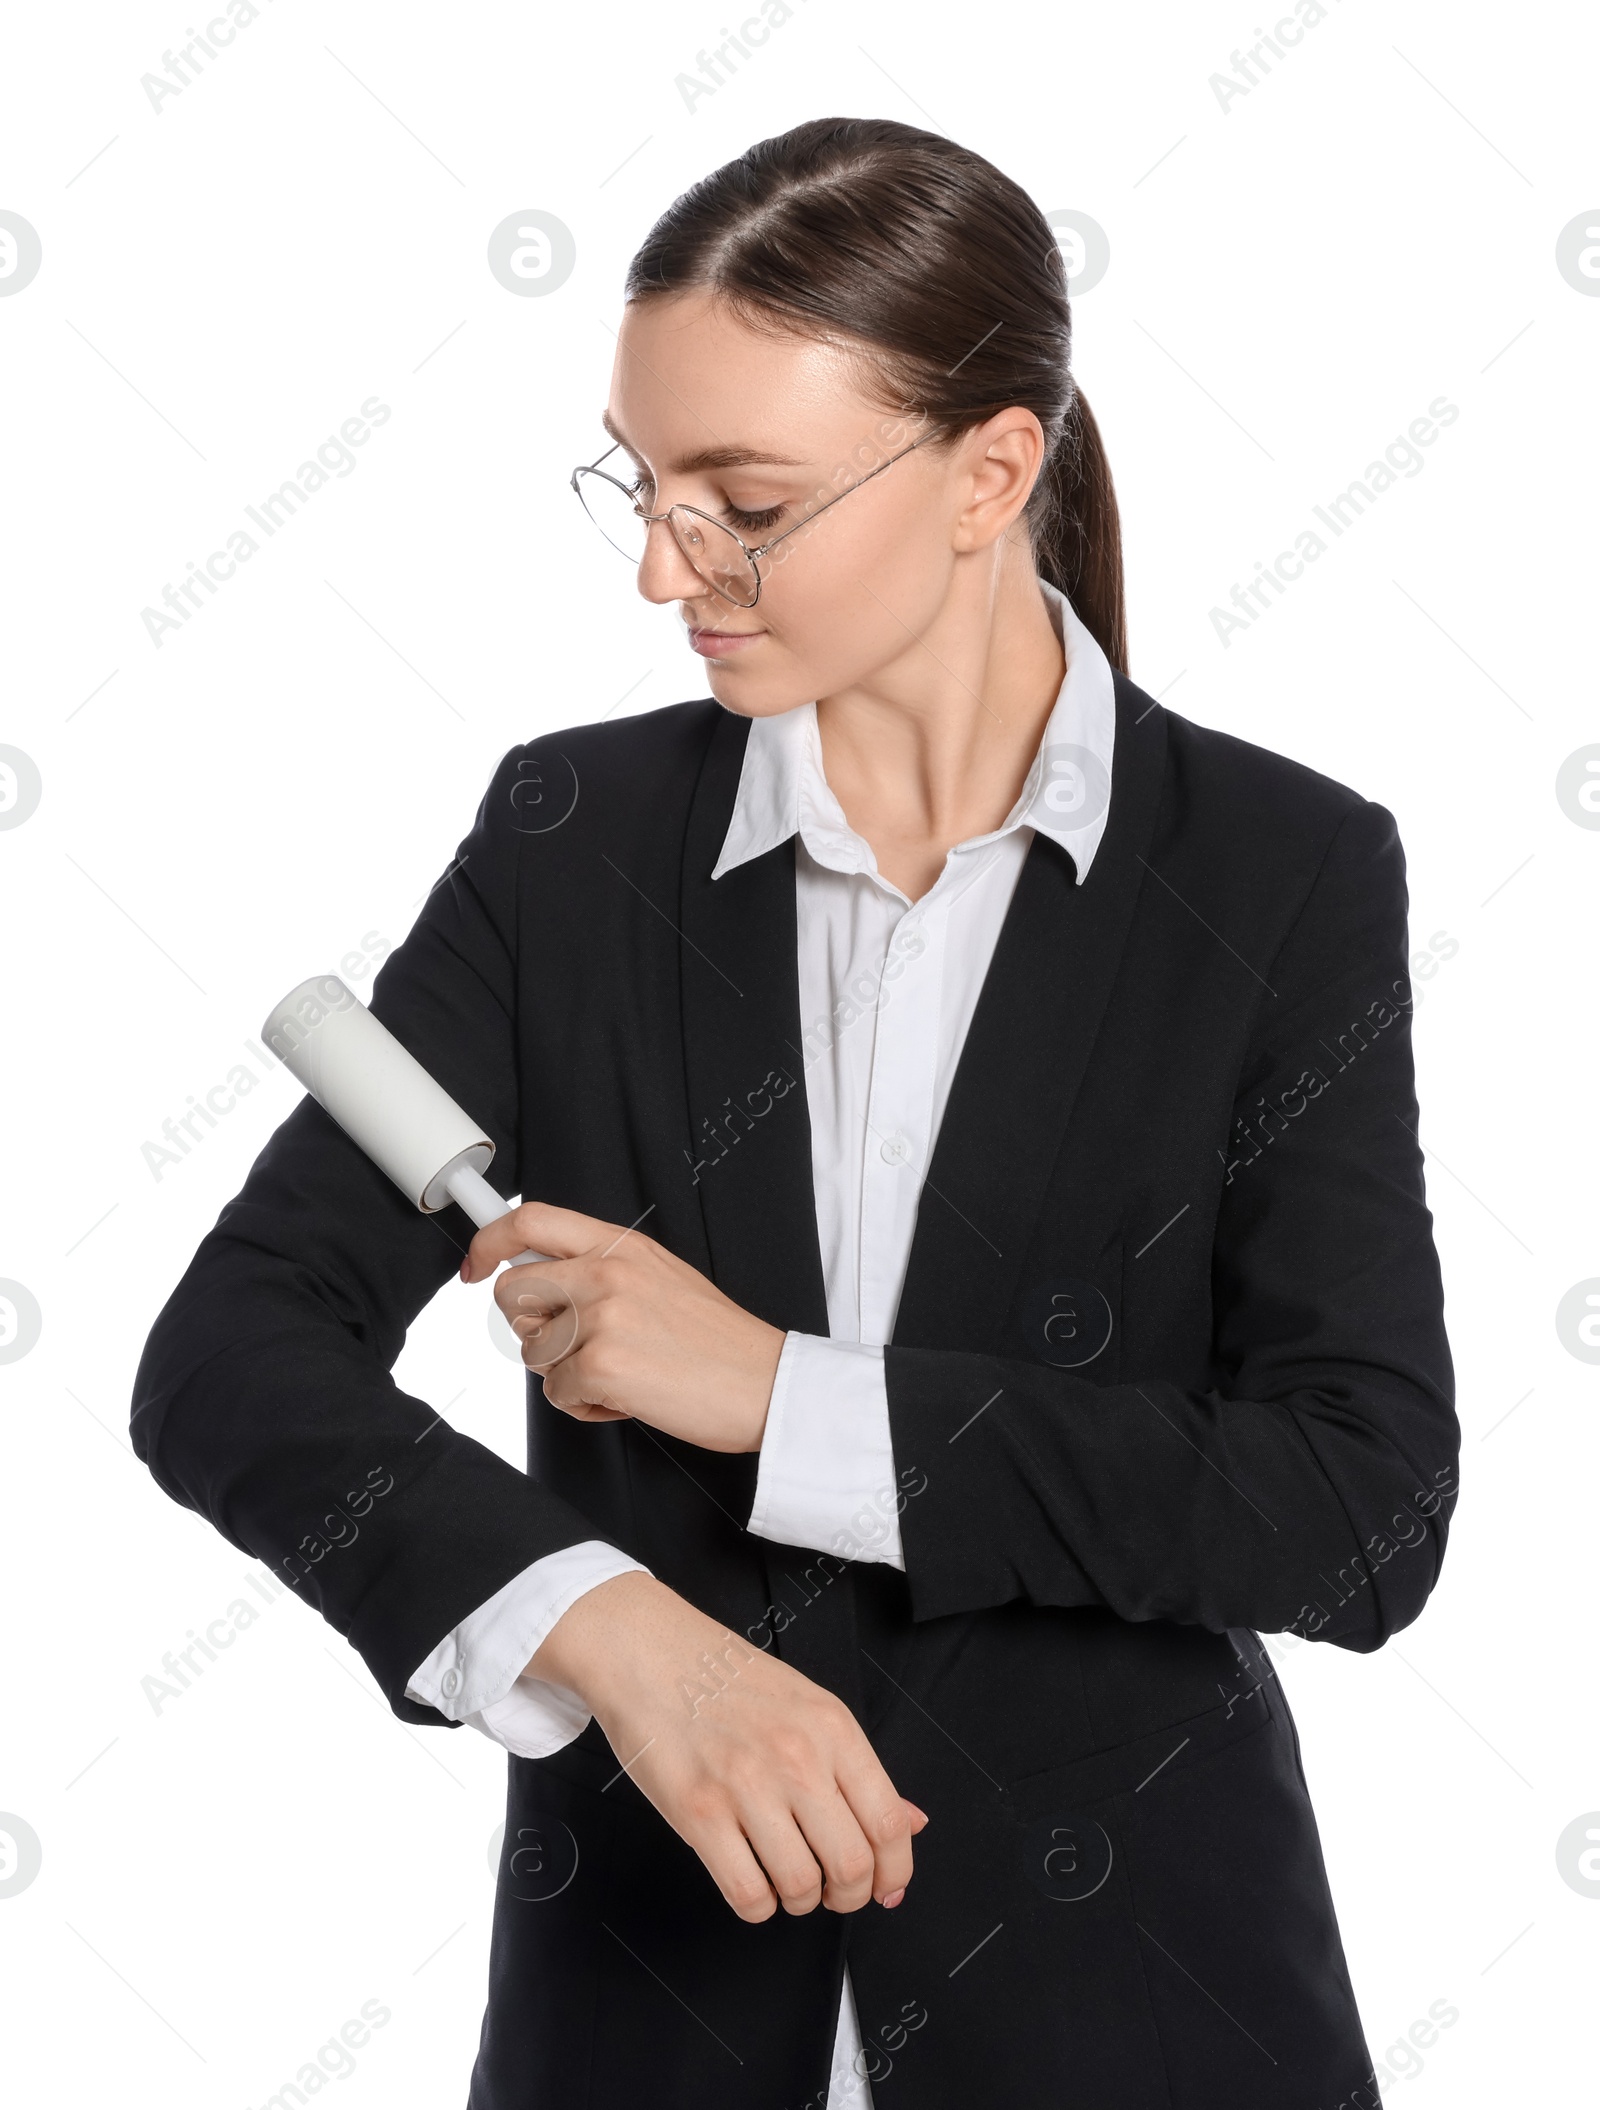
(764, 1773)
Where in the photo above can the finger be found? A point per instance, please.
(735, 1870)
(569, 1395)
(568, 1387)
(783, 1851)
(562, 1233)
(845, 1853)
(542, 1310)
(534, 1289)
(884, 1817)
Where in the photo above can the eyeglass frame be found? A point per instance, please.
(594, 469)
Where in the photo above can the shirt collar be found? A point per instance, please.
(1066, 795)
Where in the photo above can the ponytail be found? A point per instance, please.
(1078, 533)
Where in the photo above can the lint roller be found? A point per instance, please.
(384, 1099)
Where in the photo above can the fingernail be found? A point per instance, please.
(911, 1806)
(893, 1899)
(465, 1266)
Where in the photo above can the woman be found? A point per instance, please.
(969, 1109)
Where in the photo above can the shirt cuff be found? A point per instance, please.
(826, 1478)
(475, 1673)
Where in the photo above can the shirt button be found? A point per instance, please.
(451, 1682)
(895, 1150)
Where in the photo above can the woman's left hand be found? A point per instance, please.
(620, 1328)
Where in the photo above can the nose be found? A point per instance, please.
(665, 573)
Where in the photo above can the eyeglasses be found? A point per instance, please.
(723, 559)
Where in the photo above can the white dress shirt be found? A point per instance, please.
(887, 991)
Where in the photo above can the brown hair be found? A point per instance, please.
(869, 230)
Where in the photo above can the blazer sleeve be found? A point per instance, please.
(263, 1398)
(1308, 1487)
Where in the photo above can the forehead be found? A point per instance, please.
(694, 383)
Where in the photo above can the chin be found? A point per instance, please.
(747, 699)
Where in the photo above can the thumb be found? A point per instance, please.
(540, 1227)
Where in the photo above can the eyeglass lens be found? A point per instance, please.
(712, 549)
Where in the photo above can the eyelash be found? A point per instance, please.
(747, 523)
(752, 522)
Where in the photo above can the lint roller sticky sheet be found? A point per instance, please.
(384, 1099)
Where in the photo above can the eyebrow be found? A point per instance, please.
(710, 457)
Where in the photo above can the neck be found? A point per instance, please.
(935, 747)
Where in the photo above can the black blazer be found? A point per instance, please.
(1169, 1370)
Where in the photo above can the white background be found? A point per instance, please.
(1292, 280)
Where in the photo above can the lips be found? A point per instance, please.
(722, 644)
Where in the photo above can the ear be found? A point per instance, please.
(1002, 460)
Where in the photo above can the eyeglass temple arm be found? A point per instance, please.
(572, 480)
(765, 546)
(856, 486)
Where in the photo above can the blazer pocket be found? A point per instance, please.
(1138, 1766)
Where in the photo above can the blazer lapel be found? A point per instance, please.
(751, 1154)
(750, 1130)
(1035, 1025)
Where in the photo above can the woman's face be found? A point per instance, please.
(759, 431)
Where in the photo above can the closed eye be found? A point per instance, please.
(752, 523)
(642, 490)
